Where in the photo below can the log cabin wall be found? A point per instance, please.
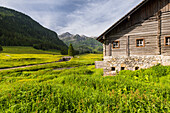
(150, 22)
(165, 31)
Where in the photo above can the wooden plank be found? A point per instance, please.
(127, 46)
(159, 33)
(104, 46)
(163, 6)
(169, 5)
(109, 49)
(166, 7)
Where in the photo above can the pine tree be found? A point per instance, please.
(71, 50)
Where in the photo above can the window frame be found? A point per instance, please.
(118, 45)
(114, 69)
(137, 68)
(143, 42)
(165, 40)
(122, 68)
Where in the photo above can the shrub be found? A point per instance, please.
(40, 46)
(64, 52)
(1, 49)
(160, 70)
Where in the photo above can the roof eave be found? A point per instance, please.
(122, 19)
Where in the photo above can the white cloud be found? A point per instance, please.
(90, 17)
(98, 16)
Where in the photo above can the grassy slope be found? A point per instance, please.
(84, 89)
(18, 29)
(27, 50)
(82, 60)
(18, 56)
(88, 44)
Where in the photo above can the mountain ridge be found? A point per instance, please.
(82, 43)
(18, 29)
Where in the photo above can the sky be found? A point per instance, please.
(84, 17)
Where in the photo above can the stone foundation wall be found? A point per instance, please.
(112, 65)
(99, 64)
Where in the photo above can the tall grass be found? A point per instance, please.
(87, 59)
(21, 56)
(84, 89)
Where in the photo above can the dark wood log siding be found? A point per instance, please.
(149, 48)
(127, 46)
(165, 32)
(142, 24)
(107, 48)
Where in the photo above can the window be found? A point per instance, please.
(122, 68)
(167, 41)
(116, 44)
(136, 68)
(140, 42)
(113, 69)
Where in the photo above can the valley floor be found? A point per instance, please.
(19, 67)
(84, 89)
(23, 56)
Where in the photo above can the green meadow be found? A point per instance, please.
(27, 50)
(83, 89)
(21, 56)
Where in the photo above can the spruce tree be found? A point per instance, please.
(71, 50)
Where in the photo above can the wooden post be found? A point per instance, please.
(159, 33)
(127, 46)
(110, 49)
(104, 46)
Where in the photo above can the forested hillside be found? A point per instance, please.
(17, 29)
(83, 44)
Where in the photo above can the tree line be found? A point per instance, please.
(17, 29)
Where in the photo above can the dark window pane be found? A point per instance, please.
(140, 42)
(113, 68)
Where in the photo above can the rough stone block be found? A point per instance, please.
(133, 61)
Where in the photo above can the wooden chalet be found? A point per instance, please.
(140, 39)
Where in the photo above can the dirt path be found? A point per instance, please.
(32, 65)
(64, 68)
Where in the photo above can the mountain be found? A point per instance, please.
(65, 35)
(18, 29)
(82, 43)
